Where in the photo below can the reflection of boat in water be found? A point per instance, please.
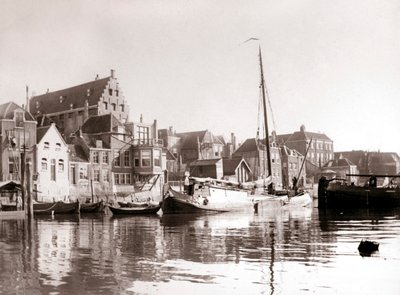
(56, 208)
(335, 193)
(149, 208)
(58, 217)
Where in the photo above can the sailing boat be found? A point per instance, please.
(207, 195)
(267, 199)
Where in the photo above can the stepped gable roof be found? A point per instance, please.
(205, 162)
(76, 96)
(7, 111)
(40, 132)
(230, 165)
(77, 154)
(101, 124)
(189, 139)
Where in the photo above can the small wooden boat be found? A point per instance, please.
(56, 208)
(92, 207)
(133, 204)
(151, 208)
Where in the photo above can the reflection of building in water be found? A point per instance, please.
(55, 252)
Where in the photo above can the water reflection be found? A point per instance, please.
(276, 252)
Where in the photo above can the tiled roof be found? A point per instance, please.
(7, 111)
(40, 132)
(74, 96)
(343, 162)
(204, 162)
(302, 136)
(230, 165)
(189, 139)
(91, 140)
(101, 124)
(76, 153)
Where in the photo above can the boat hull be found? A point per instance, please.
(92, 207)
(56, 208)
(339, 195)
(219, 200)
(151, 209)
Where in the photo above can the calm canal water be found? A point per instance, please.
(301, 251)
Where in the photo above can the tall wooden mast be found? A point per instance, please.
(265, 114)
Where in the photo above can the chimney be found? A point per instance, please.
(86, 111)
(27, 99)
(112, 73)
(141, 118)
(155, 134)
(233, 141)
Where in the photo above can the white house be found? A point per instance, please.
(50, 182)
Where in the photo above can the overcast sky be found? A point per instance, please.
(333, 66)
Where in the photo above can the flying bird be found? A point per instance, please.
(250, 39)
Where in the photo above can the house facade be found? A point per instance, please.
(320, 151)
(341, 167)
(51, 162)
(70, 108)
(293, 166)
(255, 153)
(17, 130)
(236, 170)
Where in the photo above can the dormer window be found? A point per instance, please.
(88, 92)
(62, 98)
(37, 104)
(99, 144)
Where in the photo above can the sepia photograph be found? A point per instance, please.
(199, 147)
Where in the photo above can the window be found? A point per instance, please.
(146, 157)
(58, 146)
(105, 157)
(136, 158)
(80, 113)
(11, 165)
(96, 175)
(70, 115)
(116, 178)
(61, 165)
(113, 106)
(46, 145)
(88, 92)
(53, 170)
(99, 144)
(95, 157)
(105, 176)
(127, 178)
(157, 158)
(44, 164)
(117, 92)
(83, 173)
(127, 159)
(73, 176)
(122, 107)
(105, 105)
(117, 159)
(110, 91)
(143, 134)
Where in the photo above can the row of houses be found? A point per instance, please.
(79, 142)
